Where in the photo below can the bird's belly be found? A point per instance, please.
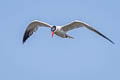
(60, 34)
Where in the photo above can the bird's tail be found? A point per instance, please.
(67, 36)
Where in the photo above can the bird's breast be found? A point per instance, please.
(60, 32)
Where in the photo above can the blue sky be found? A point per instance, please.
(87, 57)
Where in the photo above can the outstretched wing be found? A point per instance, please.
(78, 24)
(32, 27)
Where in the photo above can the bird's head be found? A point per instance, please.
(53, 29)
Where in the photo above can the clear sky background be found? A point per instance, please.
(87, 57)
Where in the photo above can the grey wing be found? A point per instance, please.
(78, 24)
(32, 27)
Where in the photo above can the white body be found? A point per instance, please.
(60, 32)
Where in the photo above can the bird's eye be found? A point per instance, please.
(53, 29)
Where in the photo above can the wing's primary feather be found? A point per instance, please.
(32, 27)
(78, 24)
(94, 30)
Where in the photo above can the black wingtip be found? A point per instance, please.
(25, 37)
(23, 41)
(108, 39)
(112, 42)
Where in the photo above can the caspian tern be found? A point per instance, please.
(59, 30)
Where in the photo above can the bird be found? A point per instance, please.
(60, 31)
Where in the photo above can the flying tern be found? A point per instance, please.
(59, 30)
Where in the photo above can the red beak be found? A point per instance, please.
(52, 34)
